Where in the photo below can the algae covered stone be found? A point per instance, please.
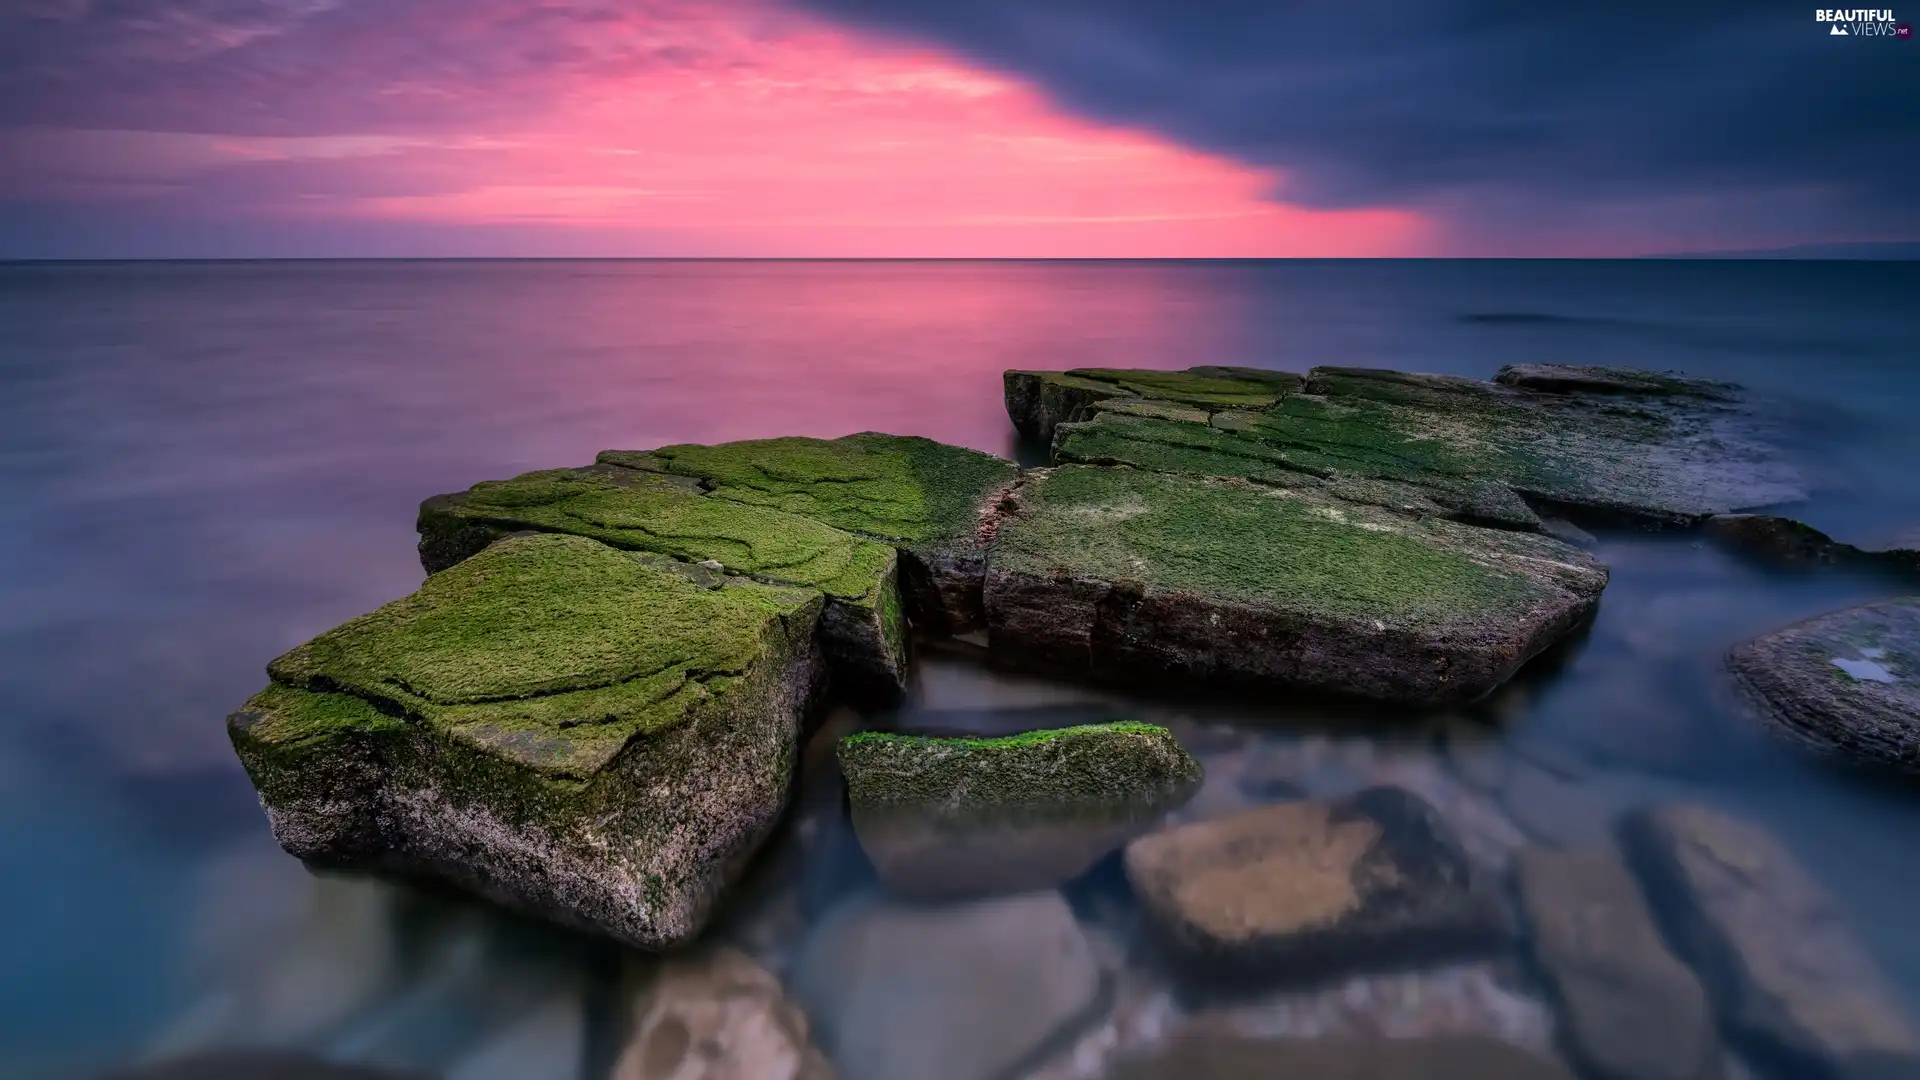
(865, 634)
(955, 816)
(924, 497)
(1845, 684)
(597, 736)
(1126, 574)
(1603, 444)
(1039, 402)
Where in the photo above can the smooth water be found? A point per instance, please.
(205, 464)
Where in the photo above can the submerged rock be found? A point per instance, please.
(1125, 574)
(1301, 890)
(715, 1014)
(945, 817)
(1451, 1057)
(825, 514)
(1605, 444)
(1846, 684)
(592, 735)
(968, 991)
(1630, 1010)
(1791, 984)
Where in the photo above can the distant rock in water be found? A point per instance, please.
(596, 736)
(1607, 445)
(1793, 988)
(1128, 575)
(1782, 541)
(946, 817)
(1303, 890)
(1846, 684)
(1446, 1057)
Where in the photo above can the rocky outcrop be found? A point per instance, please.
(1127, 574)
(886, 526)
(1846, 684)
(970, 991)
(1792, 986)
(1594, 444)
(1629, 1010)
(715, 1014)
(1454, 1057)
(1300, 890)
(596, 736)
(945, 817)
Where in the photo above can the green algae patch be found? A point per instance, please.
(1211, 387)
(942, 817)
(595, 736)
(1257, 544)
(551, 650)
(897, 488)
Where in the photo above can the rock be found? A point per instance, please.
(1458, 1057)
(949, 817)
(1790, 983)
(714, 1014)
(1302, 890)
(1470, 998)
(1846, 684)
(255, 1065)
(1040, 401)
(1128, 575)
(1630, 1010)
(968, 991)
(1778, 540)
(1601, 444)
(565, 728)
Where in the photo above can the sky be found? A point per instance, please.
(941, 128)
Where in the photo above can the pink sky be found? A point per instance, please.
(740, 130)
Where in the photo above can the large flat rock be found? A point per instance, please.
(1846, 684)
(1595, 444)
(597, 736)
(1792, 986)
(1127, 574)
(945, 817)
(1630, 1010)
(1304, 890)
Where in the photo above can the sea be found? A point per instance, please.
(204, 464)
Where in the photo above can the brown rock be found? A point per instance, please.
(1304, 889)
(717, 1015)
(1443, 1058)
(1790, 982)
(1630, 1010)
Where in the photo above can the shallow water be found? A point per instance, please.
(206, 464)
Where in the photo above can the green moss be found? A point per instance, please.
(644, 512)
(1161, 445)
(550, 650)
(1217, 387)
(1114, 770)
(897, 488)
(1294, 548)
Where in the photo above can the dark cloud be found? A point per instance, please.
(1725, 113)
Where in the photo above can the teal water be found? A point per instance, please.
(204, 464)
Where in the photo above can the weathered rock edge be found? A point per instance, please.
(632, 835)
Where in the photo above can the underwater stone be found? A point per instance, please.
(565, 728)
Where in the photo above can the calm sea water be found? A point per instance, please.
(204, 464)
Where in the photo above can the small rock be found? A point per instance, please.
(716, 1015)
(1845, 684)
(1304, 889)
(943, 818)
(1445, 1058)
(1778, 540)
(1632, 1011)
(1790, 982)
(969, 991)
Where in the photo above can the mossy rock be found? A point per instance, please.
(1605, 445)
(597, 736)
(946, 817)
(1123, 574)
(1040, 401)
(926, 498)
(864, 625)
